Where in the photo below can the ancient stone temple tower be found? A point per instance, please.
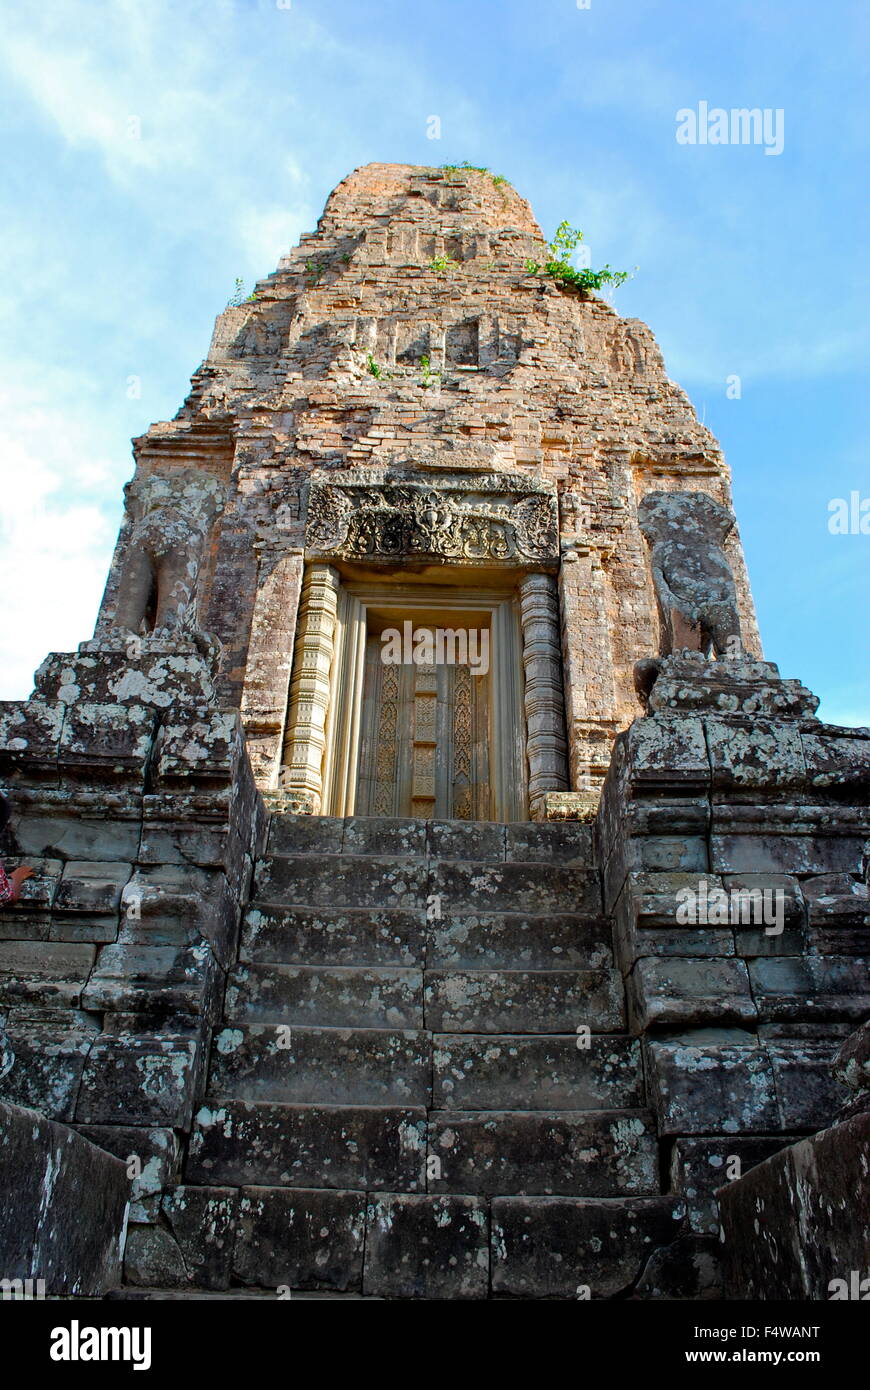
(436, 892)
(403, 424)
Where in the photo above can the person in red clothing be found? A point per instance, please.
(10, 884)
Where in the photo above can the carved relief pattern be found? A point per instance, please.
(385, 762)
(473, 523)
(463, 745)
(425, 739)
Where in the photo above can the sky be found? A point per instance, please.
(156, 150)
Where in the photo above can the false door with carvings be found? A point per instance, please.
(424, 740)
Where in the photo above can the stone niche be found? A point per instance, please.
(453, 550)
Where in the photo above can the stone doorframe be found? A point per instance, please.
(321, 750)
(375, 521)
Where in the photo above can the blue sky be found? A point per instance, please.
(156, 149)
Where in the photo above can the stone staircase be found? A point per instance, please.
(423, 1085)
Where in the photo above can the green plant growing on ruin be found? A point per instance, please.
(428, 375)
(560, 269)
(373, 368)
(442, 265)
(464, 168)
(315, 269)
(238, 296)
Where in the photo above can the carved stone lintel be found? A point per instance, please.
(490, 519)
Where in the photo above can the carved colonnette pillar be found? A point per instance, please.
(590, 695)
(270, 657)
(546, 746)
(302, 775)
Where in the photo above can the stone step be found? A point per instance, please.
(519, 886)
(497, 1072)
(581, 1153)
(336, 936)
(330, 1066)
(339, 881)
(436, 839)
(345, 1066)
(473, 940)
(524, 1001)
(519, 941)
(316, 1243)
(563, 1247)
(300, 1238)
(380, 1148)
(427, 1246)
(442, 886)
(354, 996)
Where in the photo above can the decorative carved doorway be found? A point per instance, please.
(425, 728)
(426, 705)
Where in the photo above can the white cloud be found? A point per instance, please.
(54, 548)
(267, 234)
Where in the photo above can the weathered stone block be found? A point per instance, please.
(688, 1269)
(63, 1216)
(202, 1220)
(667, 752)
(93, 886)
(154, 1152)
(852, 1066)
(837, 762)
(149, 1080)
(199, 745)
(49, 1063)
(300, 1239)
(761, 754)
(43, 972)
(699, 1167)
(341, 936)
(712, 1087)
(796, 1226)
(328, 996)
(561, 1247)
(810, 987)
(330, 1066)
(152, 1258)
(377, 1148)
(838, 910)
(518, 940)
(584, 1153)
(30, 734)
(427, 1247)
(685, 991)
(105, 740)
(808, 1092)
(505, 1001)
(158, 980)
(482, 1072)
